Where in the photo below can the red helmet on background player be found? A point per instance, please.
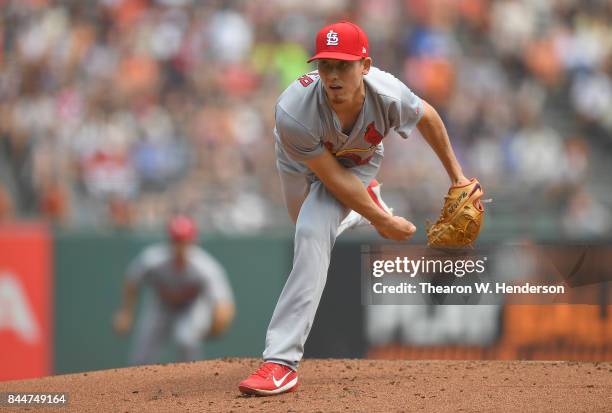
(182, 228)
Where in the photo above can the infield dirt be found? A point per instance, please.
(337, 386)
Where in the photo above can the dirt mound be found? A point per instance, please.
(338, 385)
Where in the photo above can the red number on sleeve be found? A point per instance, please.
(306, 80)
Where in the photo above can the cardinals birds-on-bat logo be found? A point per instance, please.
(372, 136)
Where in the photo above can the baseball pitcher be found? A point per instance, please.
(330, 125)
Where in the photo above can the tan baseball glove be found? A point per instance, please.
(460, 219)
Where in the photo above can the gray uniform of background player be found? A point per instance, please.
(305, 125)
(180, 302)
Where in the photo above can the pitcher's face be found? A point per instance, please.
(342, 79)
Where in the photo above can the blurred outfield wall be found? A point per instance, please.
(59, 290)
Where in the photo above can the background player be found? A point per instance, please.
(189, 299)
(329, 130)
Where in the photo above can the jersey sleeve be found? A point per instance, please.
(410, 111)
(214, 277)
(140, 266)
(299, 143)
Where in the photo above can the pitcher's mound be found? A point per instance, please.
(338, 385)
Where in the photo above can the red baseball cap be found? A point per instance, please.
(343, 41)
(182, 228)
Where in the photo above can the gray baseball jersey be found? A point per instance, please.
(203, 275)
(305, 126)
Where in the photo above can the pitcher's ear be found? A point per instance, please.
(366, 64)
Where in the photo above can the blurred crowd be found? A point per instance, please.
(114, 113)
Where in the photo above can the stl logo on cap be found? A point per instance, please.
(332, 38)
(354, 45)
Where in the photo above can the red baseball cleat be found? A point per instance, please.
(270, 379)
(354, 220)
(374, 191)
